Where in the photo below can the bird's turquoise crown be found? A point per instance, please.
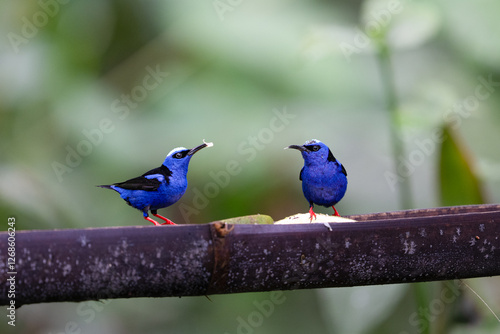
(312, 141)
(176, 150)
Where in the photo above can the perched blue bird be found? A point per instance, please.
(160, 187)
(324, 179)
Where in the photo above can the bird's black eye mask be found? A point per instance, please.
(312, 148)
(181, 154)
(315, 148)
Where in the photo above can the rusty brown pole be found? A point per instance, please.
(219, 258)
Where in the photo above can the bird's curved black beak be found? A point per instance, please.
(301, 148)
(199, 147)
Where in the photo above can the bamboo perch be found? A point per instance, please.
(220, 258)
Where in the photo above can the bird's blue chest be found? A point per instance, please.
(324, 184)
(168, 194)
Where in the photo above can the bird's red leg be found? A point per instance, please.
(152, 221)
(167, 221)
(336, 213)
(311, 214)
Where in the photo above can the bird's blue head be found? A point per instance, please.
(314, 152)
(178, 159)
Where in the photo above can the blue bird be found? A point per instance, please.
(324, 178)
(160, 187)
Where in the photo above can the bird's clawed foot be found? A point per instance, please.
(167, 221)
(311, 214)
(336, 213)
(152, 221)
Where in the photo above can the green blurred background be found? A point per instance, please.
(121, 83)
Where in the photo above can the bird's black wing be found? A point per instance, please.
(332, 158)
(144, 183)
(139, 183)
(343, 170)
(300, 175)
(163, 170)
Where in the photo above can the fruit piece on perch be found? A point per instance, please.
(303, 218)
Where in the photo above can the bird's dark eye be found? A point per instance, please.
(313, 148)
(180, 154)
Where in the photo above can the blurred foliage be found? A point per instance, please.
(121, 83)
(458, 182)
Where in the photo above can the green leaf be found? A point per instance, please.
(458, 183)
(252, 219)
(422, 292)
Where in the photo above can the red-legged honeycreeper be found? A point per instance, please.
(324, 179)
(160, 187)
